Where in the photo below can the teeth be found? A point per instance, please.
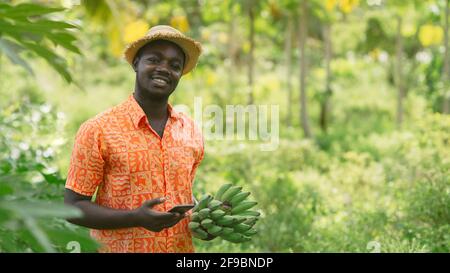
(160, 81)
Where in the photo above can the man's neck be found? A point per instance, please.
(155, 109)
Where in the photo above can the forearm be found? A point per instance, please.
(99, 217)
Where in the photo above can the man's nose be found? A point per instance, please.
(163, 67)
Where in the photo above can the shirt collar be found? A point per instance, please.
(137, 113)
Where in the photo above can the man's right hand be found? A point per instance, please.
(154, 220)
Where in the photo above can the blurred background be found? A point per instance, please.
(363, 161)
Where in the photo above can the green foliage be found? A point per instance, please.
(31, 188)
(389, 188)
(25, 27)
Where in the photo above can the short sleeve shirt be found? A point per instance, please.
(119, 155)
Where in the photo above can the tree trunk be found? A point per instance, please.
(288, 51)
(446, 69)
(231, 54)
(302, 41)
(399, 73)
(197, 19)
(251, 17)
(325, 104)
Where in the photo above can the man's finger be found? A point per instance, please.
(153, 202)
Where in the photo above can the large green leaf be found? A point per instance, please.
(33, 27)
(65, 40)
(68, 238)
(5, 189)
(25, 10)
(38, 233)
(11, 50)
(28, 30)
(58, 63)
(40, 209)
(53, 178)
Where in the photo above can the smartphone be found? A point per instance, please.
(182, 208)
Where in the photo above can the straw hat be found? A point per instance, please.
(191, 48)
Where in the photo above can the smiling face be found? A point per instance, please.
(159, 67)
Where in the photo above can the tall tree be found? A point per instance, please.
(252, 9)
(232, 47)
(251, 62)
(288, 58)
(325, 103)
(328, 11)
(399, 79)
(446, 68)
(288, 10)
(303, 68)
(399, 11)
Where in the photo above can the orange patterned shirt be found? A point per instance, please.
(120, 154)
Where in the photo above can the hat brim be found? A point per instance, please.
(191, 48)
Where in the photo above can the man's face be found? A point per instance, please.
(159, 67)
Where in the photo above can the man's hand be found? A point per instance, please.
(154, 220)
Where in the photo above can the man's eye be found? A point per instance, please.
(176, 66)
(152, 60)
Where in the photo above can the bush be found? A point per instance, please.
(31, 189)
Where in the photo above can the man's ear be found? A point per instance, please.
(135, 63)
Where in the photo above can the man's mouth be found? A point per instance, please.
(160, 81)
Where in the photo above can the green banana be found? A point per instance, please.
(243, 206)
(214, 230)
(193, 225)
(204, 213)
(206, 223)
(238, 219)
(222, 190)
(195, 217)
(236, 237)
(239, 198)
(226, 220)
(250, 232)
(230, 193)
(227, 230)
(199, 233)
(217, 214)
(251, 220)
(203, 203)
(250, 213)
(214, 204)
(241, 228)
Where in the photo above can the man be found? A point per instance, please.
(141, 155)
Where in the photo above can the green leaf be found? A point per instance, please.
(5, 189)
(5, 215)
(11, 49)
(30, 27)
(30, 33)
(25, 10)
(54, 60)
(44, 23)
(65, 40)
(39, 234)
(64, 237)
(8, 243)
(53, 178)
(41, 209)
(6, 166)
(38, 166)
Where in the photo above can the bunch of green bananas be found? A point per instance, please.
(226, 215)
